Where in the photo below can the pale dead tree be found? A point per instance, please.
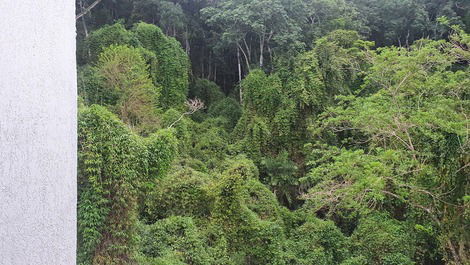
(86, 10)
(192, 105)
(85, 29)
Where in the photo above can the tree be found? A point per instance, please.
(406, 143)
(173, 65)
(325, 16)
(382, 240)
(177, 237)
(104, 37)
(125, 74)
(241, 21)
(112, 166)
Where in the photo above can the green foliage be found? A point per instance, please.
(171, 17)
(279, 169)
(109, 159)
(240, 165)
(259, 199)
(124, 73)
(162, 147)
(106, 36)
(211, 148)
(337, 153)
(317, 242)
(175, 238)
(254, 240)
(168, 15)
(185, 192)
(173, 63)
(267, 20)
(113, 165)
(305, 83)
(206, 91)
(354, 179)
(412, 122)
(254, 134)
(168, 63)
(181, 128)
(325, 16)
(90, 87)
(280, 174)
(261, 93)
(360, 260)
(227, 108)
(382, 240)
(341, 57)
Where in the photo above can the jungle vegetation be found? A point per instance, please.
(284, 132)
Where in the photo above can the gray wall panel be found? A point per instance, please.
(37, 132)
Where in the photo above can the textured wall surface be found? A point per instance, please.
(37, 132)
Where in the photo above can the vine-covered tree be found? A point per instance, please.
(114, 165)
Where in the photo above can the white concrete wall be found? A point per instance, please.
(37, 132)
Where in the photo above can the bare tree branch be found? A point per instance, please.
(86, 10)
(193, 106)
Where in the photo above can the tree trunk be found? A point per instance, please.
(247, 60)
(248, 50)
(186, 41)
(85, 29)
(261, 51)
(270, 56)
(268, 41)
(455, 256)
(215, 73)
(202, 65)
(239, 75)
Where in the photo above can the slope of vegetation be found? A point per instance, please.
(274, 132)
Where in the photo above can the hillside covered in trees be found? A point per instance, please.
(303, 132)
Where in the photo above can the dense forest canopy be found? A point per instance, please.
(273, 132)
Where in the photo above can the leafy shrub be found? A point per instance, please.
(383, 240)
(184, 193)
(208, 91)
(175, 238)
